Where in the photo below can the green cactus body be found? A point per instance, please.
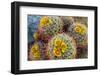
(51, 25)
(79, 33)
(62, 46)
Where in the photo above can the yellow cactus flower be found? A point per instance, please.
(35, 35)
(83, 31)
(45, 21)
(77, 29)
(80, 28)
(60, 45)
(57, 42)
(35, 51)
(50, 21)
(35, 48)
(57, 52)
(36, 55)
(63, 47)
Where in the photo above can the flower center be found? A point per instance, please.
(80, 30)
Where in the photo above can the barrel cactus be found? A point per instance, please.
(79, 33)
(38, 51)
(67, 22)
(49, 26)
(62, 46)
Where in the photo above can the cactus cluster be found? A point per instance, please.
(58, 37)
